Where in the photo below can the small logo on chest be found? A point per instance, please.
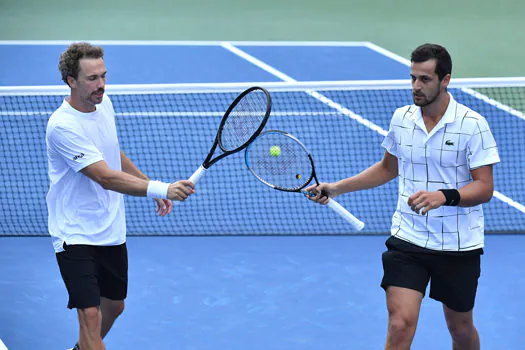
(449, 143)
(78, 156)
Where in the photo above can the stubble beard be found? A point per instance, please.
(426, 101)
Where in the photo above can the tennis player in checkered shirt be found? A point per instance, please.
(443, 153)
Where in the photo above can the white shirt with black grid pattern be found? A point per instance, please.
(441, 159)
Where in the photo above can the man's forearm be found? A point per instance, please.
(130, 168)
(475, 193)
(125, 183)
(376, 175)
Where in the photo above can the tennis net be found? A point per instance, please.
(167, 131)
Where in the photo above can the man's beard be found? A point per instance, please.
(426, 101)
(93, 98)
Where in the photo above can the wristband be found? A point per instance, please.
(452, 197)
(157, 189)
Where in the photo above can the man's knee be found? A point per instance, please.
(403, 308)
(112, 307)
(89, 318)
(400, 325)
(119, 308)
(461, 331)
(460, 325)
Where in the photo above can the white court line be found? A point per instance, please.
(187, 43)
(172, 114)
(345, 111)
(220, 114)
(301, 43)
(2, 345)
(228, 46)
(388, 54)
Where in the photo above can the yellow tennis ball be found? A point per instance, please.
(275, 151)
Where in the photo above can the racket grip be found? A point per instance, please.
(345, 214)
(195, 177)
(197, 174)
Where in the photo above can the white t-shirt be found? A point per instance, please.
(441, 159)
(80, 211)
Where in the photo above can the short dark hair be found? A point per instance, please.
(426, 52)
(68, 64)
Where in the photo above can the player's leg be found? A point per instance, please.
(403, 312)
(461, 326)
(454, 283)
(101, 323)
(113, 283)
(405, 279)
(110, 309)
(79, 270)
(90, 320)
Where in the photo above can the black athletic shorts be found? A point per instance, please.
(453, 276)
(90, 272)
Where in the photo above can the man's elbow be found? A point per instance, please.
(489, 193)
(103, 178)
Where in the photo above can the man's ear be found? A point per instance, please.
(71, 82)
(445, 81)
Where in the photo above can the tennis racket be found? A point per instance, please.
(243, 121)
(279, 160)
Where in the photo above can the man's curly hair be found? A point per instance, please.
(69, 59)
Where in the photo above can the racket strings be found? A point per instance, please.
(244, 120)
(289, 169)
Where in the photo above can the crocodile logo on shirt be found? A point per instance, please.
(449, 143)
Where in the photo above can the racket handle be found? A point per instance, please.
(345, 214)
(197, 174)
(195, 177)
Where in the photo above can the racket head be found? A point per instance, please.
(289, 167)
(244, 119)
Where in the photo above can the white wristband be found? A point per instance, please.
(158, 189)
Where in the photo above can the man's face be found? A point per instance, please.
(426, 86)
(91, 81)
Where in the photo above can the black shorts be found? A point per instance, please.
(90, 272)
(453, 276)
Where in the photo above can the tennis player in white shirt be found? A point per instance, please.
(89, 174)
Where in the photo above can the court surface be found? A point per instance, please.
(319, 292)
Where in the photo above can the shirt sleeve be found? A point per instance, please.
(76, 150)
(482, 149)
(389, 142)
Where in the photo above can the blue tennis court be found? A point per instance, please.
(248, 286)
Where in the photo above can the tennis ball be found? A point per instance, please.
(275, 151)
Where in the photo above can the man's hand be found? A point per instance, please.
(426, 201)
(164, 206)
(323, 192)
(180, 190)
